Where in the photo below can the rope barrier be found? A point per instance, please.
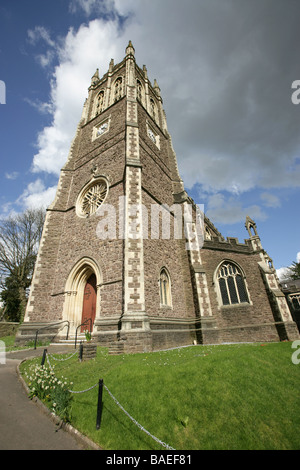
(138, 424)
(71, 391)
(117, 402)
(62, 360)
(83, 391)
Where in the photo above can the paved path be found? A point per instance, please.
(23, 425)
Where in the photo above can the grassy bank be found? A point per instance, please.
(204, 397)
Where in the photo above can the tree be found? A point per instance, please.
(19, 240)
(294, 271)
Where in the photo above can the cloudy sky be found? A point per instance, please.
(225, 69)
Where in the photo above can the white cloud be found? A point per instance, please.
(12, 176)
(270, 200)
(91, 6)
(45, 59)
(40, 33)
(36, 195)
(230, 210)
(226, 97)
(82, 52)
(42, 107)
(284, 272)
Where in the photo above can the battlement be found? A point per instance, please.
(230, 244)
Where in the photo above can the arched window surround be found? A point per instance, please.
(74, 290)
(140, 92)
(99, 104)
(231, 292)
(118, 89)
(164, 284)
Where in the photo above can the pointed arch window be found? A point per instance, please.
(99, 105)
(207, 234)
(152, 109)
(139, 90)
(118, 90)
(165, 288)
(232, 284)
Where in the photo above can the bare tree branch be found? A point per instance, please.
(19, 241)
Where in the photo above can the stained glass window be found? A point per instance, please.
(232, 285)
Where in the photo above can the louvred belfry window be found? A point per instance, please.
(99, 103)
(232, 285)
(118, 89)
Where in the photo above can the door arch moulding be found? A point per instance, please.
(74, 290)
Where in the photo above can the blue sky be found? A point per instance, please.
(225, 69)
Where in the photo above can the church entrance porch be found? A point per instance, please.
(82, 296)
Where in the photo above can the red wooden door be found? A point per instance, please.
(89, 303)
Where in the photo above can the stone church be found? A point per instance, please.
(118, 258)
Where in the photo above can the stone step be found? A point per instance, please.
(70, 341)
(116, 348)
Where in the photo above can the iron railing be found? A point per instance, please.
(84, 323)
(48, 327)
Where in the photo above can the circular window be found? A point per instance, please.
(92, 197)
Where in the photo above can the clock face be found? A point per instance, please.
(151, 135)
(92, 198)
(101, 129)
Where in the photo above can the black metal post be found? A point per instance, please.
(44, 357)
(99, 405)
(80, 351)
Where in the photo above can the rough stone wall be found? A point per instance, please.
(146, 171)
(69, 237)
(241, 322)
(156, 174)
(172, 255)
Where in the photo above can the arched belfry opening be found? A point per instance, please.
(82, 295)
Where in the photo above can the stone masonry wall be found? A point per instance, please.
(241, 322)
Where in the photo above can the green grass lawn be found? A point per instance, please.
(239, 396)
(10, 343)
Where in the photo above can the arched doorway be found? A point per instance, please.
(89, 303)
(82, 294)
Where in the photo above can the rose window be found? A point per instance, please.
(92, 198)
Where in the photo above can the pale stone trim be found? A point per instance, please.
(74, 290)
(36, 273)
(217, 287)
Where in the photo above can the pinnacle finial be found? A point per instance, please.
(251, 226)
(130, 49)
(111, 65)
(156, 87)
(95, 77)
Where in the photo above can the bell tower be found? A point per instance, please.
(97, 236)
(122, 251)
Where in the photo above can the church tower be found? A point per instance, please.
(121, 158)
(125, 252)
